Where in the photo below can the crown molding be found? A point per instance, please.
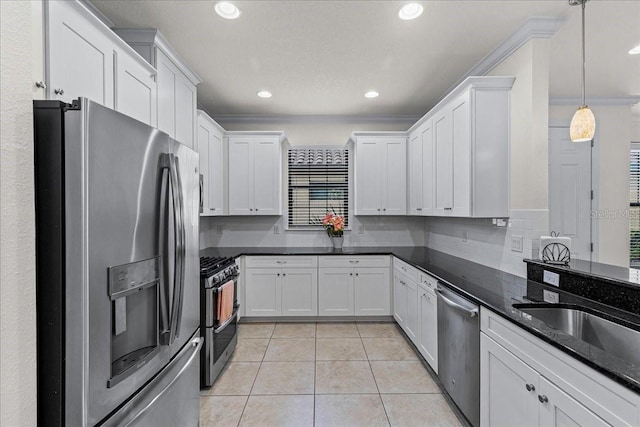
(101, 16)
(536, 27)
(308, 118)
(611, 100)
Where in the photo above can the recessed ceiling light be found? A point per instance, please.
(227, 10)
(635, 51)
(264, 94)
(410, 11)
(371, 94)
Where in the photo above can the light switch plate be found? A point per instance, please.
(551, 278)
(551, 297)
(276, 229)
(517, 243)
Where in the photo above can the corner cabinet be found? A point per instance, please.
(380, 173)
(527, 382)
(176, 83)
(255, 173)
(212, 166)
(85, 58)
(464, 146)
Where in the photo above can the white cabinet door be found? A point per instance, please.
(428, 327)
(185, 110)
(394, 181)
(335, 292)
(266, 176)
(240, 176)
(262, 292)
(204, 136)
(400, 299)
(558, 409)
(299, 291)
(368, 177)
(80, 56)
(136, 90)
(209, 146)
(508, 388)
(427, 168)
(167, 79)
(415, 173)
(443, 163)
(372, 292)
(461, 128)
(412, 318)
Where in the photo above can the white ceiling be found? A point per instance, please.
(320, 57)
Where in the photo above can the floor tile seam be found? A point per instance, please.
(377, 388)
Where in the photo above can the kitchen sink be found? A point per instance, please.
(613, 338)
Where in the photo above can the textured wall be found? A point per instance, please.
(17, 259)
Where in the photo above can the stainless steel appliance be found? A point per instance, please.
(220, 337)
(459, 351)
(117, 270)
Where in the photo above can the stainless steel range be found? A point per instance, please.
(218, 324)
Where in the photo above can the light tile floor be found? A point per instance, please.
(324, 374)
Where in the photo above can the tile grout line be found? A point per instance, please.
(375, 381)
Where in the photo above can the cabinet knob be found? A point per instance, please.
(543, 398)
(530, 387)
(284, 274)
(278, 274)
(58, 91)
(356, 274)
(251, 209)
(40, 84)
(378, 209)
(385, 209)
(256, 209)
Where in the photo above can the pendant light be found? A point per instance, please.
(583, 123)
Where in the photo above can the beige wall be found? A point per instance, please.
(317, 133)
(529, 123)
(17, 260)
(615, 130)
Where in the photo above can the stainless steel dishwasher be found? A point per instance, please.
(459, 351)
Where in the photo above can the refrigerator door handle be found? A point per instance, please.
(163, 233)
(178, 276)
(183, 247)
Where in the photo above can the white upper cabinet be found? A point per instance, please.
(465, 152)
(380, 173)
(176, 84)
(85, 58)
(420, 171)
(212, 166)
(255, 173)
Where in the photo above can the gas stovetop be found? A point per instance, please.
(217, 269)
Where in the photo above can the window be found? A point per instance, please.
(318, 183)
(634, 206)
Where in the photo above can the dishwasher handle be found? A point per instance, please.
(471, 312)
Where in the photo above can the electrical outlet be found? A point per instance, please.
(517, 243)
(464, 235)
(551, 278)
(219, 228)
(361, 229)
(551, 297)
(276, 229)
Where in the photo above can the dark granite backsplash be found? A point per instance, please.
(606, 290)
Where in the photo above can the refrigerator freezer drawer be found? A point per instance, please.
(171, 398)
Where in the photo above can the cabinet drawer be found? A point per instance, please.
(409, 271)
(355, 261)
(611, 401)
(268, 261)
(428, 282)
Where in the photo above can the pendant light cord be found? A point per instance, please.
(583, 54)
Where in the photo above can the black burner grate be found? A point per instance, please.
(212, 265)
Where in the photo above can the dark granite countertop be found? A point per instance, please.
(491, 288)
(612, 273)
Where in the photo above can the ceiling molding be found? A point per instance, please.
(540, 27)
(303, 118)
(101, 16)
(612, 100)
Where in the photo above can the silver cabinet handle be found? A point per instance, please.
(212, 209)
(447, 209)
(354, 261)
(40, 84)
(58, 91)
(472, 313)
(543, 398)
(418, 209)
(530, 387)
(281, 262)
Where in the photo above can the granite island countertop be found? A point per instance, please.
(494, 289)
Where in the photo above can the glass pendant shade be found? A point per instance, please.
(583, 125)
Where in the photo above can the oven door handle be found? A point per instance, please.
(233, 278)
(226, 322)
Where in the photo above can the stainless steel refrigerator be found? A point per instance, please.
(117, 270)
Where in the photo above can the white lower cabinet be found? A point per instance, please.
(335, 292)
(428, 326)
(399, 299)
(273, 292)
(412, 320)
(527, 382)
(371, 292)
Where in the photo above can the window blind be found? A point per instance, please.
(634, 208)
(318, 183)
